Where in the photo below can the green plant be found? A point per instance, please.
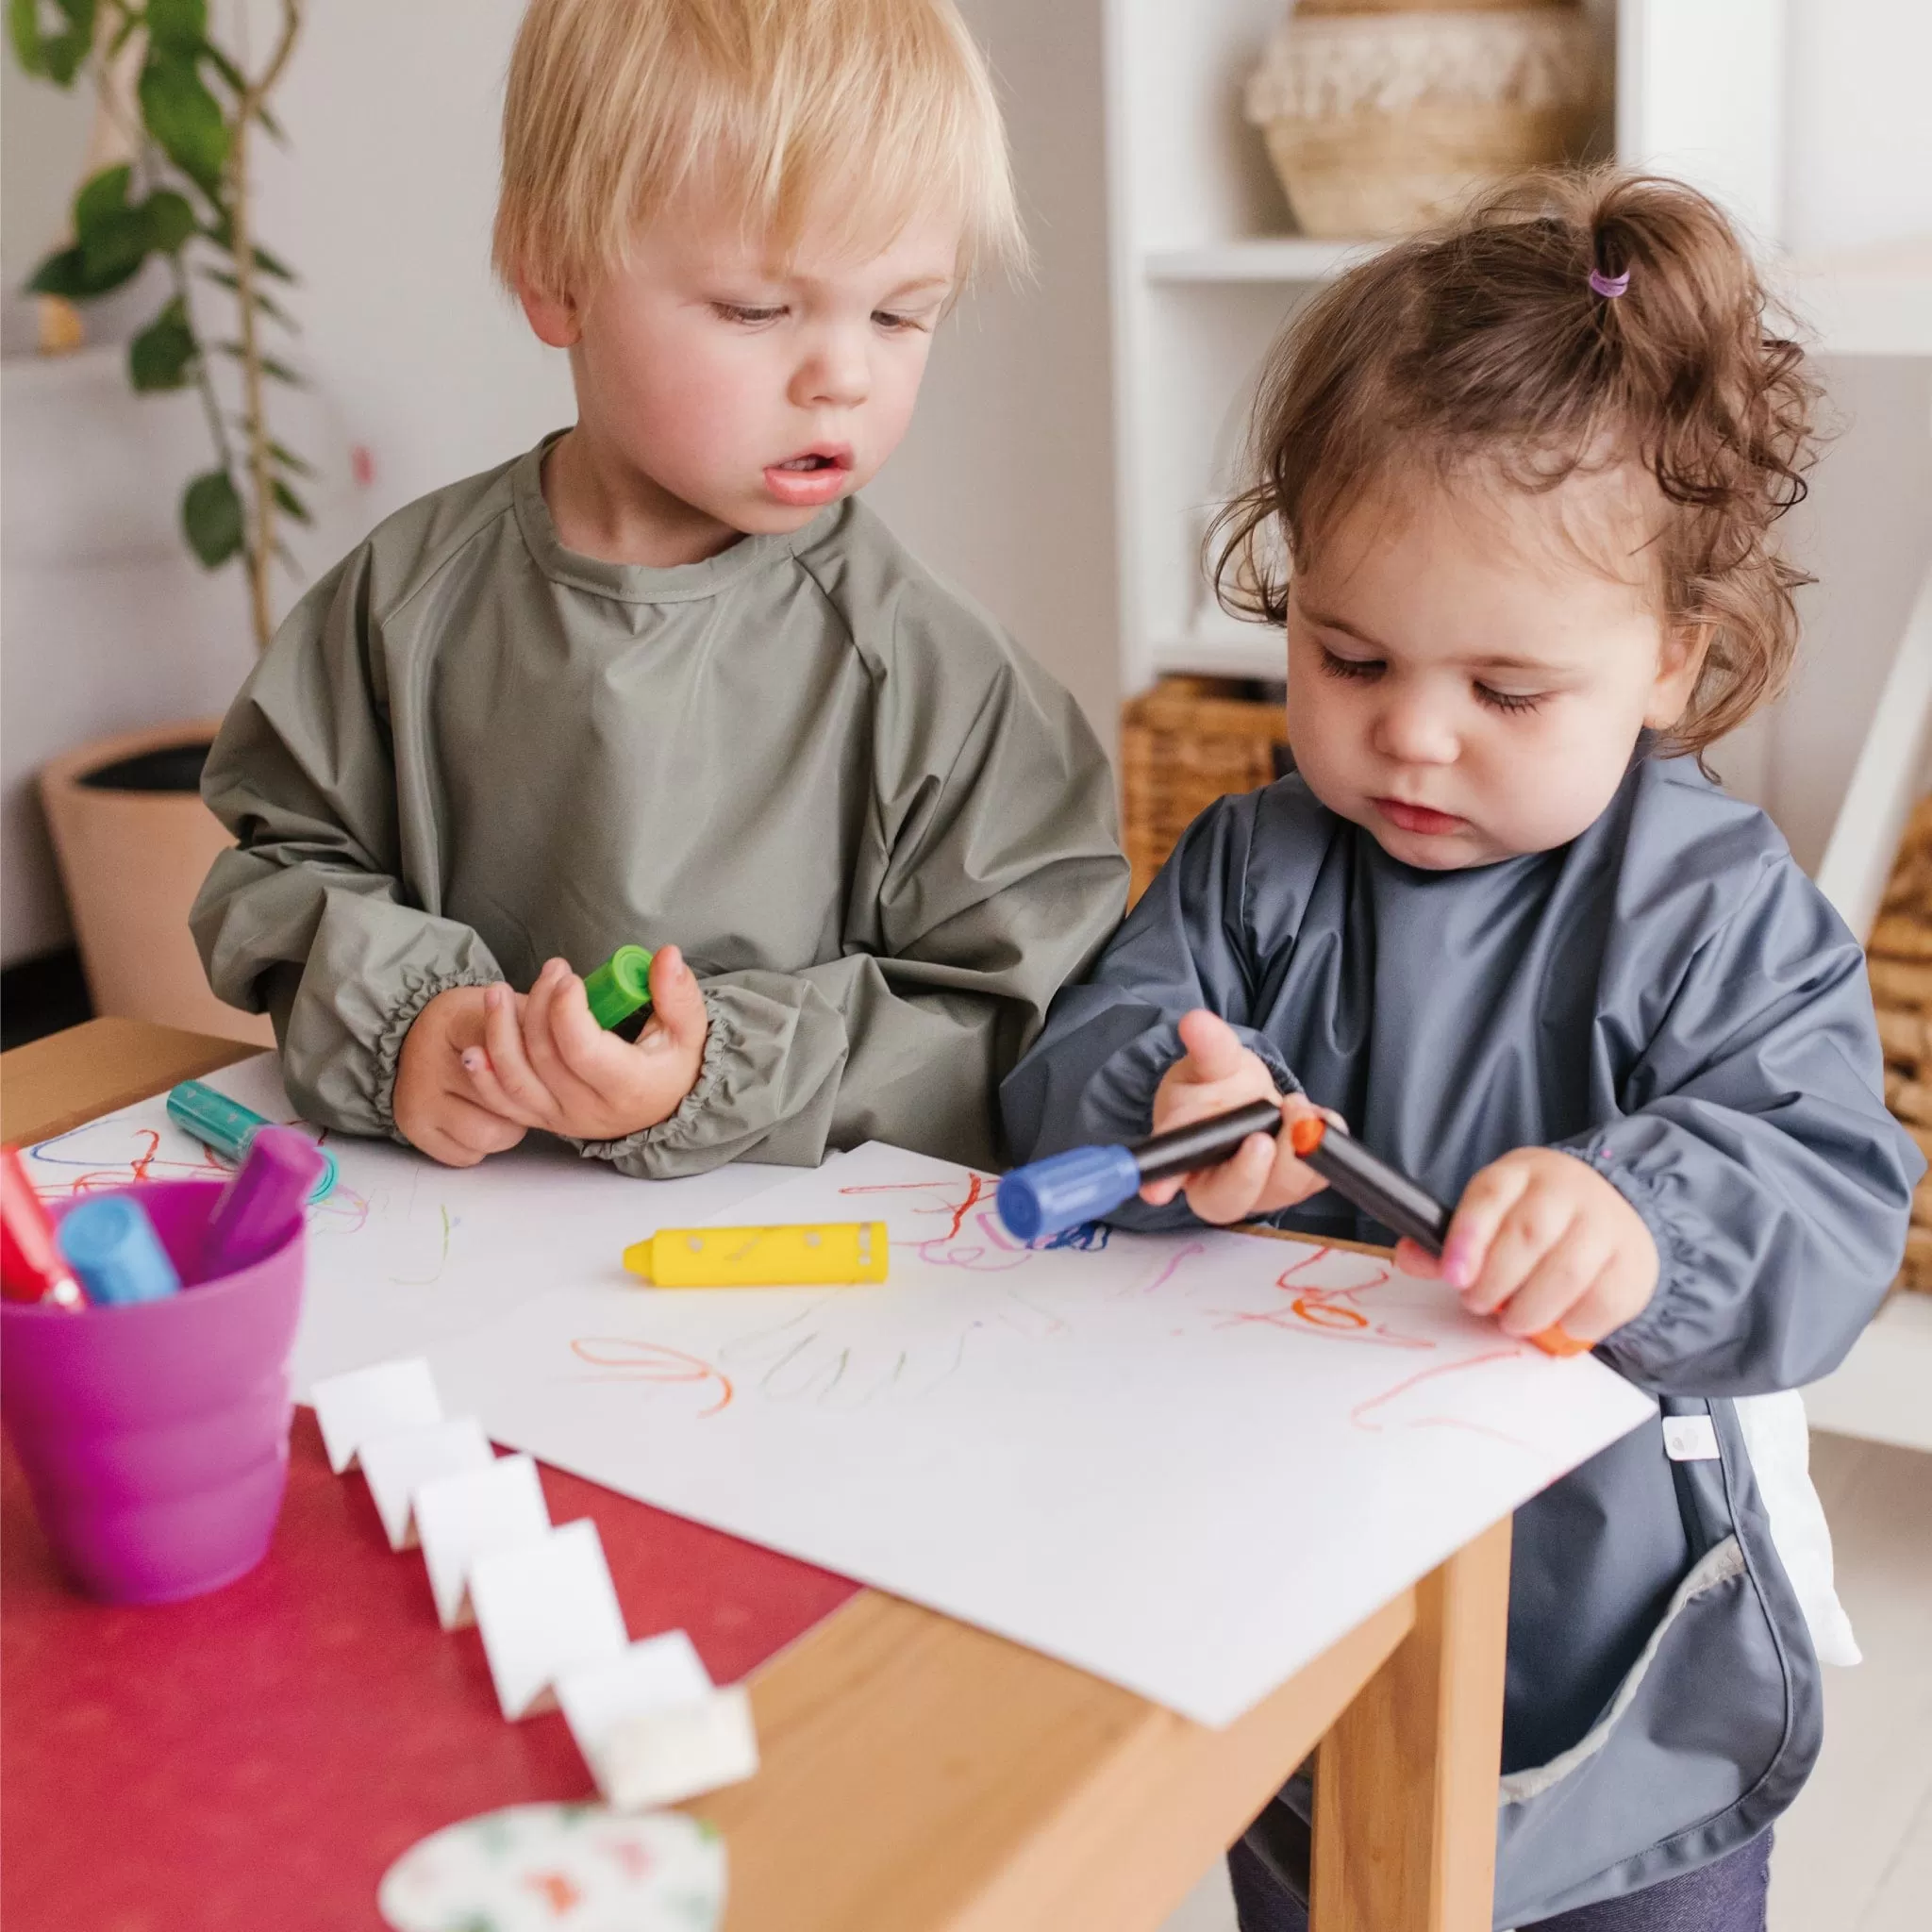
(185, 195)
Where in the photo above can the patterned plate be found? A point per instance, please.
(559, 1868)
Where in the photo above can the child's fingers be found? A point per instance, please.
(1479, 1215)
(1622, 1287)
(542, 1017)
(462, 1133)
(1536, 1230)
(1554, 1284)
(678, 1003)
(1229, 1193)
(1411, 1257)
(1214, 1048)
(596, 1059)
(501, 1073)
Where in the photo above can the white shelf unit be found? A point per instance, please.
(1204, 269)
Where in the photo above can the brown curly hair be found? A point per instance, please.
(1483, 344)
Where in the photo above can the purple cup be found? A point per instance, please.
(155, 1437)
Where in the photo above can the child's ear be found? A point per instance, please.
(1679, 663)
(555, 318)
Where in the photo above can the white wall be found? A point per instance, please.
(1857, 173)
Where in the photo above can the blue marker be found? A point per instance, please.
(1087, 1182)
(112, 1245)
(227, 1127)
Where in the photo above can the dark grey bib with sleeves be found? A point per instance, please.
(1669, 999)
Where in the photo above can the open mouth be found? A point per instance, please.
(812, 476)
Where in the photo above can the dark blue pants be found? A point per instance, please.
(1727, 1896)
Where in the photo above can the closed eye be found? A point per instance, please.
(1508, 700)
(746, 313)
(1358, 668)
(897, 322)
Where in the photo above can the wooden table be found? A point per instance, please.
(920, 1775)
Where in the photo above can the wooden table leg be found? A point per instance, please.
(1406, 1782)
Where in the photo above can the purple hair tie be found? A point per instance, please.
(1609, 286)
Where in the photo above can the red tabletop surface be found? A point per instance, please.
(252, 1761)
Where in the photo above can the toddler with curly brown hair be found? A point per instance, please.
(1515, 491)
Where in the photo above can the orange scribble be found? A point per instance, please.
(975, 1190)
(1362, 1410)
(632, 1360)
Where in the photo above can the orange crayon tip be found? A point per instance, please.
(1305, 1136)
(1559, 1342)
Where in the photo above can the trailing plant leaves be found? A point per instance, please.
(162, 354)
(276, 370)
(114, 238)
(212, 517)
(221, 231)
(290, 462)
(67, 271)
(56, 57)
(180, 25)
(169, 219)
(183, 118)
(290, 501)
(223, 279)
(101, 195)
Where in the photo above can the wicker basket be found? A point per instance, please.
(1185, 743)
(1382, 119)
(1899, 960)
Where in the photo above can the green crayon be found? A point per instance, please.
(620, 986)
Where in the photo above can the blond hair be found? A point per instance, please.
(852, 114)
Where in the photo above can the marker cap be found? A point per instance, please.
(112, 1245)
(261, 1207)
(227, 1127)
(619, 987)
(1066, 1188)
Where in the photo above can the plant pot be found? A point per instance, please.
(134, 842)
(1383, 119)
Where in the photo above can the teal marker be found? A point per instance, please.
(619, 987)
(227, 1127)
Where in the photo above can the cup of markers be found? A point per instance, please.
(144, 1342)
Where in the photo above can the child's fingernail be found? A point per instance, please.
(473, 1060)
(1457, 1265)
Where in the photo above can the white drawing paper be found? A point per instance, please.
(380, 1400)
(1188, 1464)
(398, 1464)
(545, 1608)
(458, 1518)
(402, 1253)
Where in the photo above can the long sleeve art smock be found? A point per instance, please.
(882, 837)
(1669, 999)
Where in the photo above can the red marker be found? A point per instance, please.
(32, 1266)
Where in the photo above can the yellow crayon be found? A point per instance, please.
(833, 1253)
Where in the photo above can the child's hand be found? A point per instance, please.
(560, 1071)
(435, 1103)
(1542, 1240)
(1217, 1074)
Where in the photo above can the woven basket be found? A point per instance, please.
(1185, 743)
(1899, 960)
(1381, 120)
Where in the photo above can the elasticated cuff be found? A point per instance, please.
(1645, 1335)
(679, 1130)
(419, 988)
